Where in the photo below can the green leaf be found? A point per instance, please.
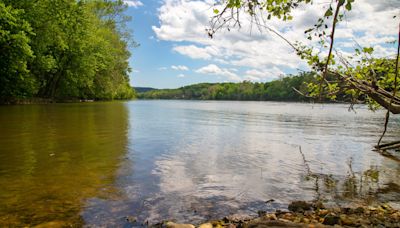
(328, 12)
(216, 11)
(368, 50)
(348, 6)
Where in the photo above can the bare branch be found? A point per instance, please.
(335, 20)
(394, 90)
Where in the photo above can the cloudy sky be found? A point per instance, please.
(175, 49)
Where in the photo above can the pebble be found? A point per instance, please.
(272, 217)
(394, 205)
(359, 210)
(287, 216)
(206, 225)
(331, 220)
(177, 225)
(346, 220)
(237, 218)
(323, 212)
(395, 216)
(305, 220)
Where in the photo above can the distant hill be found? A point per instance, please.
(277, 90)
(143, 89)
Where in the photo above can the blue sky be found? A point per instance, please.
(175, 50)
(152, 62)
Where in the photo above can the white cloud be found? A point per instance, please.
(195, 52)
(251, 78)
(179, 67)
(370, 23)
(215, 70)
(133, 3)
(181, 76)
(263, 75)
(162, 68)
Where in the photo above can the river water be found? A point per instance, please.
(97, 164)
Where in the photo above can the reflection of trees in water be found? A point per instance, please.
(366, 186)
(57, 156)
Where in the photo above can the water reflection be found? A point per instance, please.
(99, 164)
(54, 157)
(201, 160)
(362, 187)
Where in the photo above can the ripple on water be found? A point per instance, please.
(187, 160)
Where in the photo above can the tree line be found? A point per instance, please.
(289, 88)
(64, 49)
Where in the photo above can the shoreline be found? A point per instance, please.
(29, 101)
(307, 214)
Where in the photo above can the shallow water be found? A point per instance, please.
(97, 163)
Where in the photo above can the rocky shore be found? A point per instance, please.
(305, 214)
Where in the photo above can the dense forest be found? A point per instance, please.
(282, 89)
(64, 49)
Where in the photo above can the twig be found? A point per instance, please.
(339, 4)
(301, 93)
(278, 34)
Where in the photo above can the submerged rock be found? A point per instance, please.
(299, 206)
(363, 216)
(177, 225)
(318, 205)
(51, 224)
(131, 219)
(271, 223)
(237, 218)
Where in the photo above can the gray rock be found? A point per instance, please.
(331, 220)
(299, 206)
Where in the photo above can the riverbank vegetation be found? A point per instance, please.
(277, 90)
(63, 50)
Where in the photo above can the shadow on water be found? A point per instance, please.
(55, 157)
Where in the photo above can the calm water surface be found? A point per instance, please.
(95, 164)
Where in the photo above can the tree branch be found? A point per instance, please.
(339, 4)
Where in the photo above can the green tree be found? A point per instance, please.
(277, 90)
(70, 49)
(15, 53)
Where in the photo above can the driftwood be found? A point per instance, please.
(383, 150)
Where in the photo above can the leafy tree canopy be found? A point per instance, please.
(64, 49)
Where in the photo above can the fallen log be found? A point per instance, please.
(388, 146)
